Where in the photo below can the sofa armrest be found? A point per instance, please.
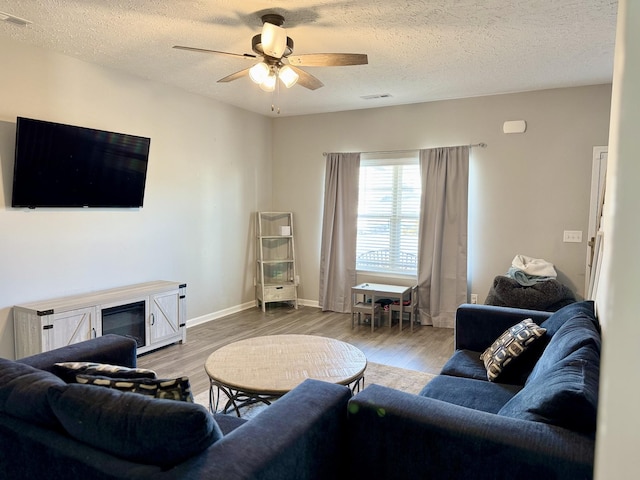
(302, 435)
(478, 326)
(112, 349)
(396, 435)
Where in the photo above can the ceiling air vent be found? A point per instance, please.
(377, 95)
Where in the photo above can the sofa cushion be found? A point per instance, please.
(135, 427)
(467, 392)
(23, 393)
(521, 367)
(559, 318)
(166, 388)
(574, 333)
(465, 363)
(68, 370)
(512, 343)
(566, 395)
(228, 422)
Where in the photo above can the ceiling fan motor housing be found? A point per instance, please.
(273, 19)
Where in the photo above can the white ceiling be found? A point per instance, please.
(419, 50)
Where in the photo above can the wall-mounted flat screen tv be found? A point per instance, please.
(59, 165)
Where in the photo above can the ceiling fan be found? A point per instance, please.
(277, 62)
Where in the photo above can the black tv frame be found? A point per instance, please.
(66, 166)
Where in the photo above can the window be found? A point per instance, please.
(388, 214)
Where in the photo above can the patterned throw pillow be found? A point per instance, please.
(169, 389)
(512, 343)
(68, 371)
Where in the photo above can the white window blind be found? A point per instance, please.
(388, 214)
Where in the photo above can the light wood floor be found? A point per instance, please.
(426, 349)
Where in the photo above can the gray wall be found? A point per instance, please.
(525, 189)
(204, 183)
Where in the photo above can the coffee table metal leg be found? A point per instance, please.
(236, 399)
(232, 397)
(356, 385)
(214, 398)
(212, 408)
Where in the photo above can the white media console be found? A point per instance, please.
(153, 313)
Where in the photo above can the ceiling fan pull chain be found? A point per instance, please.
(275, 97)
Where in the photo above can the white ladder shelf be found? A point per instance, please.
(276, 276)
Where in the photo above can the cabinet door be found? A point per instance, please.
(70, 327)
(164, 321)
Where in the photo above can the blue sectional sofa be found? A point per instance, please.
(54, 430)
(537, 419)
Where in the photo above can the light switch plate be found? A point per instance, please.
(572, 236)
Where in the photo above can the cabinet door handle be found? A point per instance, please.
(153, 319)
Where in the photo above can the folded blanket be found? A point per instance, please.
(549, 295)
(534, 266)
(525, 279)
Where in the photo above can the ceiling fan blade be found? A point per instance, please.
(235, 76)
(204, 50)
(307, 80)
(328, 59)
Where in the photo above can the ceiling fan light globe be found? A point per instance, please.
(288, 76)
(259, 72)
(269, 83)
(274, 40)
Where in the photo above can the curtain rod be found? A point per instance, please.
(481, 145)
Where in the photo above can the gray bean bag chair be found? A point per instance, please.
(549, 295)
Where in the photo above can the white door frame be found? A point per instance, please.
(594, 233)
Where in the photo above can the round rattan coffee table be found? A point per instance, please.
(262, 369)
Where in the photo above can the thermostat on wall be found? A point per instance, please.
(514, 126)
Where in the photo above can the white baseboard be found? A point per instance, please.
(309, 303)
(239, 308)
(219, 314)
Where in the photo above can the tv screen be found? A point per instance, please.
(59, 165)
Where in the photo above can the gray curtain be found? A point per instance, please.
(339, 229)
(442, 256)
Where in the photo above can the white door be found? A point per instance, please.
(594, 234)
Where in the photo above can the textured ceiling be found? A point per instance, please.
(419, 50)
